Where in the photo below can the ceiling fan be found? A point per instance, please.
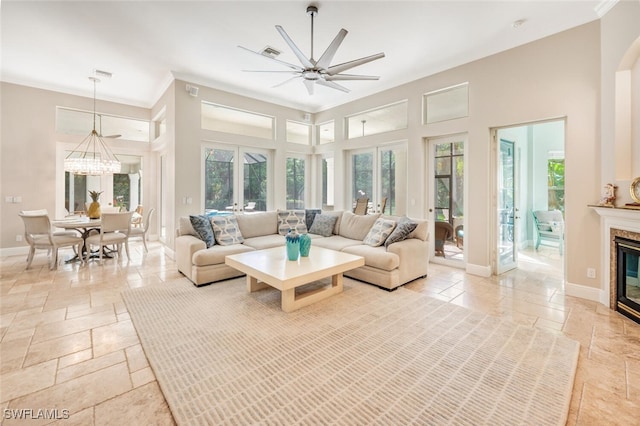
(100, 128)
(319, 71)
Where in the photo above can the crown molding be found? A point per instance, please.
(604, 6)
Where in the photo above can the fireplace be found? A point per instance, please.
(627, 253)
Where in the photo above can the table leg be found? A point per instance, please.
(254, 285)
(291, 303)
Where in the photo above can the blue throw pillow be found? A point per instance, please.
(323, 224)
(404, 227)
(309, 215)
(202, 226)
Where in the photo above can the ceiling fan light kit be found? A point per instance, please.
(318, 71)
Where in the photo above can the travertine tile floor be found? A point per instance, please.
(68, 345)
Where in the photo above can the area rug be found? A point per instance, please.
(363, 357)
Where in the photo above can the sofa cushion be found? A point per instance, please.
(422, 230)
(404, 227)
(265, 241)
(258, 224)
(323, 224)
(310, 215)
(202, 226)
(379, 232)
(185, 227)
(215, 255)
(291, 220)
(356, 226)
(226, 231)
(335, 242)
(376, 257)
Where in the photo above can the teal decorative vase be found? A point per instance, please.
(293, 245)
(305, 245)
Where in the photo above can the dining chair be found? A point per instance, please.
(38, 234)
(362, 205)
(142, 232)
(136, 220)
(114, 231)
(383, 204)
(69, 233)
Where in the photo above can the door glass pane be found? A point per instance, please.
(457, 187)
(75, 188)
(443, 198)
(506, 204)
(443, 165)
(295, 183)
(362, 178)
(255, 181)
(218, 180)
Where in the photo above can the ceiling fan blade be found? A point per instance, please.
(285, 82)
(294, 67)
(351, 77)
(279, 72)
(110, 136)
(309, 85)
(327, 56)
(303, 59)
(348, 65)
(332, 85)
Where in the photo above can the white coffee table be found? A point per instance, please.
(271, 267)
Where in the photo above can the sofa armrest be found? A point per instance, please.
(186, 246)
(405, 247)
(414, 257)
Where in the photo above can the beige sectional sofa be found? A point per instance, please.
(387, 267)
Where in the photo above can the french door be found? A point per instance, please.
(380, 174)
(447, 199)
(507, 210)
(236, 178)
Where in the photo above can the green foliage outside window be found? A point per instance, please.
(555, 173)
(295, 183)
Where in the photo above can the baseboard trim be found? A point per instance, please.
(14, 251)
(583, 292)
(480, 270)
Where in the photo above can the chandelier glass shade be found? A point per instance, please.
(92, 156)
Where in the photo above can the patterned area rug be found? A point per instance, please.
(364, 357)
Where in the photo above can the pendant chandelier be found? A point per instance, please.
(92, 156)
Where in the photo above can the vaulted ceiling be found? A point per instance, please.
(145, 44)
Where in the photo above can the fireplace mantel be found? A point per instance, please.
(622, 218)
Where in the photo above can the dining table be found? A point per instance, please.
(85, 226)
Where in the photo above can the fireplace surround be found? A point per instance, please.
(627, 281)
(623, 223)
